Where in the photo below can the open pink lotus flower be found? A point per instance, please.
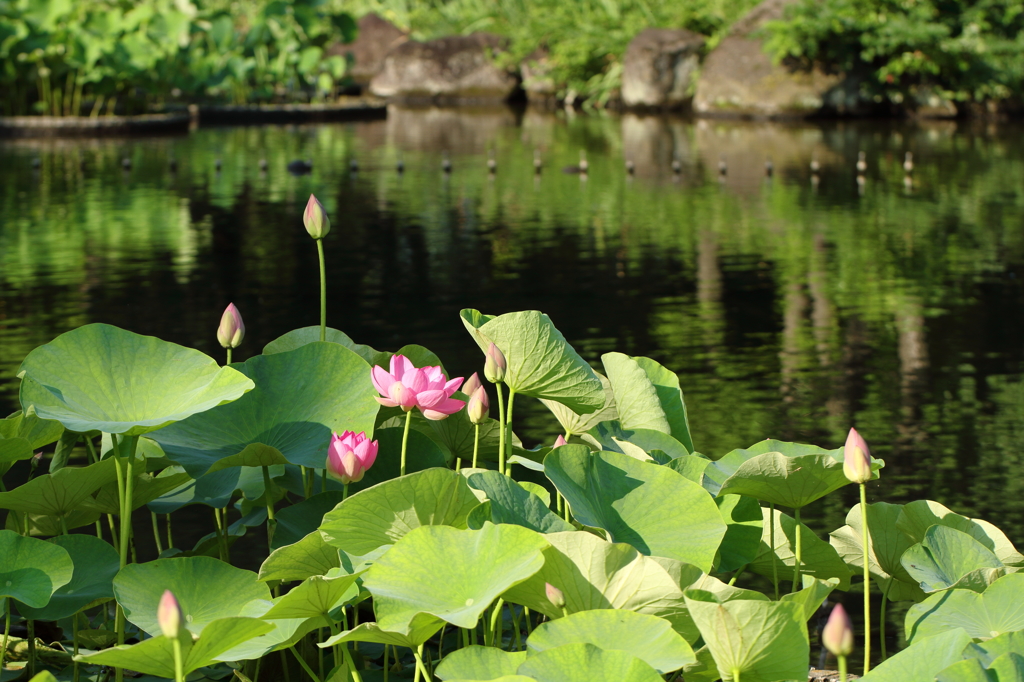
(423, 387)
(350, 455)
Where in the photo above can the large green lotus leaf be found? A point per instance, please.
(422, 630)
(541, 363)
(62, 492)
(1008, 668)
(812, 596)
(988, 650)
(32, 570)
(503, 678)
(595, 574)
(28, 426)
(645, 505)
(206, 589)
(307, 335)
(299, 520)
(917, 517)
(886, 544)
(215, 489)
(381, 515)
(308, 557)
(43, 525)
(754, 640)
(155, 656)
(647, 396)
(789, 474)
(947, 557)
(479, 663)
(95, 565)
(967, 670)
(314, 596)
(577, 424)
(509, 502)
(922, 661)
(479, 565)
(146, 489)
(582, 662)
(612, 436)
(997, 610)
(744, 522)
(13, 450)
(286, 632)
(421, 453)
(704, 669)
(818, 558)
(101, 378)
(300, 398)
(692, 467)
(649, 638)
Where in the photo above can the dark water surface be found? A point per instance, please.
(789, 309)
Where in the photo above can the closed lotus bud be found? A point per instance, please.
(559, 442)
(554, 595)
(315, 219)
(472, 383)
(494, 365)
(837, 636)
(231, 330)
(168, 615)
(856, 458)
(35, 460)
(478, 405)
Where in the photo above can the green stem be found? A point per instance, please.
(344, 492)
(229, 357)
(307, 482)
(508, 438)
(526, 618)
(170, 539)
(320, 651)
(127, 468)
(735, 675)
(386, 662)
(842, 668)
(7, 630)
(405, 440)
(496, 623)
(735, 575)
(156, 533)
(91, 449)
(501, 428)
(515, 628)
(866, 538)
(271, 521)
(31, 648)
(179, 664)
(771, 539)
(881, 618)
(323, 290)
(798, 553)
(74, 637)
(220, 518)
(476, 445)
(63, 525)
(420, 668)
(351, 664)
(302, 661)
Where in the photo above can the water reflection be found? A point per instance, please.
(790, 308)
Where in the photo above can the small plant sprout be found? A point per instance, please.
(857, 467)
(231, 330)
(837, 636)
(318, 225)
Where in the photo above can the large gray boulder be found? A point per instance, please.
(452, 70)
(659, 68)
(739, 79)
(377, 36)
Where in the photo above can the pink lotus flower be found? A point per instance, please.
(856, 458)
(350, 455)
(559, 442)
(231, 329)
(407, 387)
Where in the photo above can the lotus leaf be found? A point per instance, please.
(947, 558)
(917, 517)
(299, 520)
(479, 565)
(754, 640)
(422, 630)
(32, 570)
(577, 424)
(812, 596)
(999, 609)
(967, 670)
(27, 425)
(612, 436)
(886, 544)
(922, 661)
(206, 589)
(692, 467)
(60, 493)
(480, 663)
(638, 503)
(595, 574)
(307, 335)
(744, 522)
(988, 650)
(315, 596)
(146, 489)
(647, 396)
(49, 526)
(381, 515)
(101, 378)
(649, 638)
(509, 502)
(819, 559)
(541, 363)
(95, 565)
(286, 632)
(1008, 668)
(308, 557)
(214, 489)
(583, 662)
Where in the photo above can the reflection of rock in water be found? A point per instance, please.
(651, 142)
(459, 130)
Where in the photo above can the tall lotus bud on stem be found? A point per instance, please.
(559, 442)
(472, 383)
(837, 636)
(554, 595)
(350, 455)
(478, 406)
(495, 365)
(318, 225)
(856, 458)
(231, 330)
(168, 615)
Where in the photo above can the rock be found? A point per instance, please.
(659, 67)
(377, 36)
(739, 79)
(452, 70)
(538, 83)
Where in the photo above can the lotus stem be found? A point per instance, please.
(732, 581)
(301, 660)
(320, 652)
(771, 539)
(179, 664)
(798, 554)
(7, 631)
(220, 517)
(156, 533)
(74, 637)
(91, 450)
(842, 668)
(881, 619)
(307, 481)
(405, 441)
(508, 439)
(501, 428)
(476, 445)
(386, 662)
(344, 492)
(515, 628)
(323, 479)
(496, 623)
(63, 524)
(31, 648)
(323, 290)
(866, 538)
(113, 534)
(170, 540)
(420, 668)
(351, 664)
(271, 521)
(735, 675)
(229, 357)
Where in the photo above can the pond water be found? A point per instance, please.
(790, 308)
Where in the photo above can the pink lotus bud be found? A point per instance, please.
(315, 219)
(231, 330)
(472, 383)
(36, 459)
(168, 615)
(478, 406)
(350, 455)
(837, 636)
(559, 442)
(554, 595)
(495, 365)
(856, 458)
